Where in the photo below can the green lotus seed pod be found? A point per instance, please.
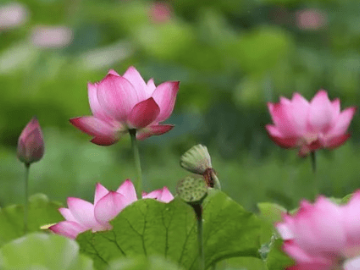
(192, 190)
(196, 159)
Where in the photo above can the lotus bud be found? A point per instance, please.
(30, 144)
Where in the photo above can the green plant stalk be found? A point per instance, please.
(134, 145)
(313, 166)
(198, 212)
(216, 186)
(26, 203)
(313, 161)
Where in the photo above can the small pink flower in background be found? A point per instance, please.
(309, 125)
(82, 216)
(31, 143)
(123, 103)
(12, 15)
(323, 235)
(160, 12)
(51, 36)
(310, 19)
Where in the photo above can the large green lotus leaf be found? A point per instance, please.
(143, 263)
(39, 251)
(241, 263)
(149, 227)
(41, 212)
(276, 258)
(271, 211)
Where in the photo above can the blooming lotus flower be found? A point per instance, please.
(309, 125)
(323, 235)
(31, 143)
(123, 103)
(82, 216)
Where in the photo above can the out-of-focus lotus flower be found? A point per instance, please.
(123, 103)
(163, 195)
(310, 19)
(31, 143)
(83, 216)
(12, 15)
(309, 125)
(51, 36)
(323, 235)
(160, 12)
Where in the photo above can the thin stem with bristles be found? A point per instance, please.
(313, 161)
(313, 166)
(26, 202)
(134, 145)
(198, 211)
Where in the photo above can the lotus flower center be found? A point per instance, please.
(309, 139)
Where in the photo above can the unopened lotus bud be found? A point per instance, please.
(192, 189)
(196, 159)
(31, 144)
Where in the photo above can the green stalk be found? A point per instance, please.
(313, 161)
(134, 145)
(26, 203)
(198, 212)
(217, 185)
(313, 166)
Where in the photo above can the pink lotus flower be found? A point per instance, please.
(51, 36)
(323, 236)
(309, 125)
(160, 12)
(12, 15)
(82, 216)
(123, 103)
(31, 143)
(310, 19)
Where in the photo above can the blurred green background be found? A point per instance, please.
(231, 56)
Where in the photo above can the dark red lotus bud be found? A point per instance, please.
(31, 143)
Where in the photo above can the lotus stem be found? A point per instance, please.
(313, 161)
(134, 145)
(26, 203)
(198, 212)
(313, 165)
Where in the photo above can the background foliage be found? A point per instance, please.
(231, 57)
